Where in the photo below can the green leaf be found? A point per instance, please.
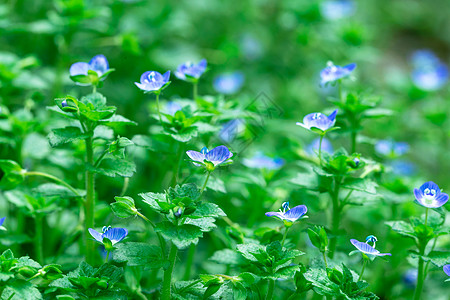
(11, 174)
(402, 228)
(207, 209)
(360, 184)
(139, 254)
(65, 135)
(19, 290)
(186, 134)
(154, 200)
(113, 167)
(226, 257)
(116, 120)
(124, 207)
(438, 258)
(182, 236)
(253, 252)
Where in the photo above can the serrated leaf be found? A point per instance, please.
(139, 254)
(66, 135)
(113, 167)
(182, 236)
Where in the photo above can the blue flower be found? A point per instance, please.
(312, 148)
(190, 71)
(430, 196)
(446, 269)
(391, 148)
(319, 120)
(230, 130)
(210, 159)
(332, 73)
(115, 235)
(402, 167)
(98, 64)
(261, 161)
(2, 220)
(229, 83)
(429, 72)
(172, 107)
(152, 81)
(288, 215)
(410, 277)
(367, 249)
(335, 10)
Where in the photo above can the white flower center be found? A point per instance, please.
(429, 195)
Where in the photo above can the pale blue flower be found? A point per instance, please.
(367, 249)
(98, 64)
(312, 148)
(172, 107)
(429, 72)
(216, 156)
(391, 148)
(152, 81)
(319, 120)
(261, 161)
(335, 10)
(287, 214)
(430, 196)
(446, 269)
(115, 235)
(230, 130)
(190, 71)
(229, 83)
(332, 73)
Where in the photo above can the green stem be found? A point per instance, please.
(162, 242)
(271, 289)
(206, 181)
(107, 256)
(189, 262)
(325, 259)
(284, 236)
(165, 293)
(336, 217)
(89, 204)
(157, 105)
(54, 179)
(139, 294)
(320, 149)
(428, 262)
(426, 216)
(94, 89)
(420, 273)
(99, 159)
(38, 239)
(362, 271)
(340, 90)
(194, 90)
(176, 167)
(353, 134)
(126, 182)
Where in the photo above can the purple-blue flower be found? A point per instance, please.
(335, 10)
(446, 269)
(429, 72)
(216, 156)
(402, 167)
(367, 249)
(319, 120)
(289, 214)
(152, 81)
(391, 148)
(229, 83)
(2, 220)
(230, 130)
(430, 196)
(312, 148)
(332, 73)
(410, 277)
(261, 161)
(172, 107)
(190, 71)
(98, 64)
(115, 235)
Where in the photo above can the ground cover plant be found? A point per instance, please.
(224, 150)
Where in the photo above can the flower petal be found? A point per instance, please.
(365, 248)
(115, 235)
(447, 269)
(79, 68)
(196, 156)
(332, 116)
(166, 77)
(96, 235)
(99, 64)
(431, 186)
(2, 220)
(441, 199)
(218, 155)
(277, 214)
(350, 67)
(295, 213)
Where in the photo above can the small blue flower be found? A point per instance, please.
(319, 120)
(98, 64)
(367, 249)
(261, 161)
(216, 156)
(172, 107)
(287, 214)
(152, 81)
(115, 235)
(429, 72)
(190, 71)
(430, 196)
(230, 130)
(335, 10)
(314, 146)
(391, 148)
(332, 73)
(2, 220)
(229, 83)
(64, 103)
(446, 269)
(402, 167)
(410, 278)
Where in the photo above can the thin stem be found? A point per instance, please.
(284, 236)
(38, 239)
(428, 262)
(340, 90)
(157, 105)
(89, 204)
(320, 149)
(107, 256)
(194, 90)
(190, 285)
(162, 242)
(271, 289)
(325, 259)
(189, 262)
(426, 216)
(99, 159)
(176, 167)
(94, 89)
(353, 134)
(362, 271)
(206, 181)
(165, 293)
(140, 295)
(54, 179)
(420, 273)
(126, 182)
(336, 217)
